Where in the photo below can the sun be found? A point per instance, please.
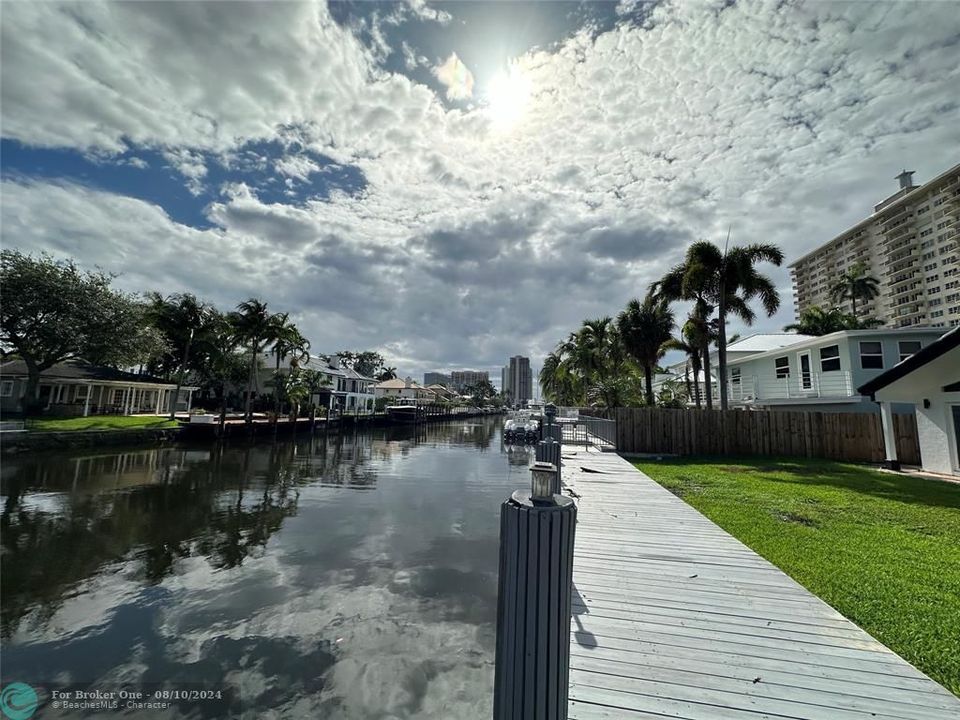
(508, 96)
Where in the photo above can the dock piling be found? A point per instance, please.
(532, 670)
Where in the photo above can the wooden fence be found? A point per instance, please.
(853, 437)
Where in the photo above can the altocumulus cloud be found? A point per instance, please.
(784, 122)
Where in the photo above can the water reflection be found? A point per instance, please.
(350, 575)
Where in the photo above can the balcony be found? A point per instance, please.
(753, 389)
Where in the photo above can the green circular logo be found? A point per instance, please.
(18, 701)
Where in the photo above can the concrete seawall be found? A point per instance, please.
(18, 442)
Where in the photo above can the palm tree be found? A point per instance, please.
(855, 284)
(644, 329)
(254, 327)
(388, 373)
(179, 318)
(820, 321)
(287, 342)
(738, 284)
(692, 280)
(690, 343)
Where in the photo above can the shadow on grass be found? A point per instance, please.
(814, 472)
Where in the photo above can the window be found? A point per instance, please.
(81, 392)
(6, 388)
(782, 365)
(735, 376)
(908, 348)
(830, 358)
(871, 355)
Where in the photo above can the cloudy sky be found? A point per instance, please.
(452, 184)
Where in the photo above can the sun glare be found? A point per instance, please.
(508, 96)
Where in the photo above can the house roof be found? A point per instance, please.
(761, 342)
(931, 352)
(397, 384)
(80, 371)
(353, 374)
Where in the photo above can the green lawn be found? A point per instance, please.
(98, 422)
(884, 550)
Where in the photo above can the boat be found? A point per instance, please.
(521, 428)
(403, 413)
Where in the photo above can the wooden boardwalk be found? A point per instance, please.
(675, 618)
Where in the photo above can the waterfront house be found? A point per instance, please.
(930, 379)
(355, 391)
(76, 388)
(404, 391)
(822, 373)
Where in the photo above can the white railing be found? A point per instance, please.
(813, 384)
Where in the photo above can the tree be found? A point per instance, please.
(821, 321)
(726, 282)
(179, 318)
(855, 284)
(287, 342)
(368, 362)
(739, 284)
(691, 343)
(644, 329)
(253, 325)
(388, 373)
(216, 357)
(51, 311)
(690, 281)
(480, 392)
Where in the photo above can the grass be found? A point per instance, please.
(99, 422)
(882, 549)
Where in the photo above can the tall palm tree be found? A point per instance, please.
(694, 280)
(180, 318)
(738, 284)
(855, 284)
(645, 328)
(287, 342)
(254, 327)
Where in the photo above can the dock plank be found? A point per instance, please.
(674, 617)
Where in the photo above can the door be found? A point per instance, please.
(806, 376)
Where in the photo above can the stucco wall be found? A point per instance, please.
(935, 431)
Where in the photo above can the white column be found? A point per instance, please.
(159, 398)
(889, 436)
(86, 401)
(189, 399)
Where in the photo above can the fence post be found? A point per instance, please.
(532, 669)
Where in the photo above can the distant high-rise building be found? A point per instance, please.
(516, 379)
(910, 244)
(464, 378)
(437, 378)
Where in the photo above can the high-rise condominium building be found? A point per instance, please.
(436, 378)
(516, 379)
(910, 243)
(462, 379)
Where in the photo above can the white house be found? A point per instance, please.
(823, 373)
(744, 347)
(77, 388)
(930, 379)
(355, 392)
(407, 390)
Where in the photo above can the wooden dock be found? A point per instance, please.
(675, 618)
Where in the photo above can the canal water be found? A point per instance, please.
(343, 576)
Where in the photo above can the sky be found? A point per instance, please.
(454, 184)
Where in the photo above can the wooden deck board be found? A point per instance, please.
(673, 617)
